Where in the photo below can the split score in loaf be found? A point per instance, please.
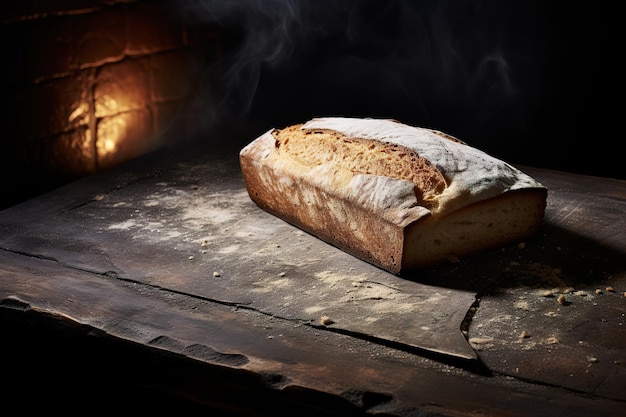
(397, 196)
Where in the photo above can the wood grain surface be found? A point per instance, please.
(168, 252)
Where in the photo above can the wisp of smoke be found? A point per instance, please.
(270, 33)
(430, 57)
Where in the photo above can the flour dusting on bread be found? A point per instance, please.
(397, 196)
(471, 174)
(318, 146)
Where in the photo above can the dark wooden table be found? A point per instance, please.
(164, 277)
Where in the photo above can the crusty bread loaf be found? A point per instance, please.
(397, 196)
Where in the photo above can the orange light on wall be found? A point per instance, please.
(114, 117)
(122, 110)
(91, 87)
(110, 132)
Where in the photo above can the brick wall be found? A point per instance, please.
(89, 84)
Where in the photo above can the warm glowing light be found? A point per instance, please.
(86, 146)
(111, 131)
(114, 117)
(107, 105)
(108, 146)
(81, 112)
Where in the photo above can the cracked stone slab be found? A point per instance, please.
(272, 353)
(191, 228)
(186, 226)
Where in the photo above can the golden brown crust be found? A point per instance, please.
(336, 220)
(315, 147)
(358, 195)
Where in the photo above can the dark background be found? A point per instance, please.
(532, 82)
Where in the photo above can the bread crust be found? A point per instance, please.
(313, 147)
(377, 211)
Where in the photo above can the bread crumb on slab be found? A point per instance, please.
(326, 321)
(480, 343)
(610, 289)
(524, 335)
(562, 300)
(216, 274)
(480, 340)
(522, 305)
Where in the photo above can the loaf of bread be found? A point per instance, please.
(396, 196)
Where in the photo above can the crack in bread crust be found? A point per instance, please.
(350, 182)
(314, 147)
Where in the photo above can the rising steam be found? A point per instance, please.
(503, 75)
(269, 34)
(411, 60)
